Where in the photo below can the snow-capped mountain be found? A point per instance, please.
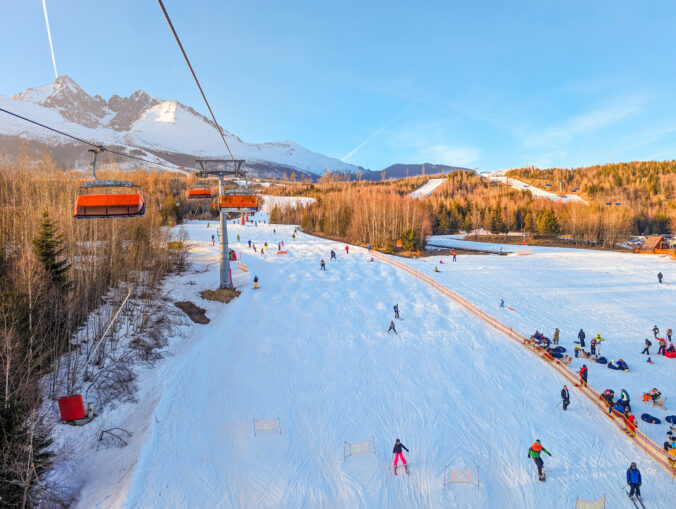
(149, 127)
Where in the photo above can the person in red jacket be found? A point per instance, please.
(583, 375)
(398, 446)
(347, 249)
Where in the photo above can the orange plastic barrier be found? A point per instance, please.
(650, 448)
(109, 205)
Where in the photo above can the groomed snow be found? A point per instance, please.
(310, 347)
(270, 202)
(427, 188)
(535, 191)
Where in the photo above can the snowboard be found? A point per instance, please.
(543, 476)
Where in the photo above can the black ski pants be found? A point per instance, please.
(566, 402)
(634, 488)
(540, 464)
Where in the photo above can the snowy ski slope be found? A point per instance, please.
(427, 188)
(310, 347)
(535, 191)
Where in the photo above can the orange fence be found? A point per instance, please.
(650, 448)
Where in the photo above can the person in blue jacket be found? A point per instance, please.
(634, 480)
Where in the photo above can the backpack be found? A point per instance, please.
(649, 343)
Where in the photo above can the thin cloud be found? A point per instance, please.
(563, 133)
(49, 35)
(370, 138)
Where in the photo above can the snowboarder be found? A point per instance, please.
(396, 310)
(583, 375)
(648, 344)
(255, 282)
(347, 249)
(565, 396)
(555, 339)
(659, 277)
(656, 331)
(634, 481)
(392, 328)
(333, 255)
(502, 303)
(454, 255)
(581, 335)
(213, 240)
(398, 446)
(322, 264)
(534, 452)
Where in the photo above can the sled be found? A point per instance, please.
(670, 355)
(282, 252)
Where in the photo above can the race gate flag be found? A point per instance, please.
(267, 425)
(353, 448)
(461, 476)
(598, 503)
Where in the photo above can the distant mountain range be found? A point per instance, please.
(409, 170)
(165, 132)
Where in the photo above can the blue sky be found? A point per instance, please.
(487, 84)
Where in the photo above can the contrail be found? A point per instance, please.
(367, 140)
(49, 34)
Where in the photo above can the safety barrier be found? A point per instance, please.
(650, 448)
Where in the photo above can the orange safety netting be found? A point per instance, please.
(650, 448)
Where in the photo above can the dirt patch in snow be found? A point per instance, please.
(195, 313)
(221, 295)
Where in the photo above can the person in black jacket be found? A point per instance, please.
(392, 328)
(581, 335)
(398, 446)
(565, 396)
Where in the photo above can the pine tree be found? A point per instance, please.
(547, 223)
(48, 248)
(408, 240)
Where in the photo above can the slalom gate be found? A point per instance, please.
(650, 448)
(458, 476)
(597, 503)
(352, 448)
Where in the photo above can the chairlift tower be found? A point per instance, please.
(222, 168)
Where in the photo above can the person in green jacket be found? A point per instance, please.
(534, 452)
(556, 337)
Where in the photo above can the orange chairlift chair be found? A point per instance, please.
(90, 204)
(199, 192)
(238, 200)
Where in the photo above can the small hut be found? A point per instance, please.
(654, 244)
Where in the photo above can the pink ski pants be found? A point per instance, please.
(398, 455)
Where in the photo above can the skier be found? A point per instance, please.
(502, 303)
(265, 245)
(555, 339)
(581, 335)
(565, 396)
(454, 255)
(238, 237)
(322, 264)
(659, 277)
(262, 252)
(396, 310)
(583, 375)
(669, 334)
(274, 231)
(392, 328)
(249, 243)
(648, 344)
(634, 481)
(593, 346)
(255, 282)
(656, 331)
(333, 255)
(534, 452)
(293, 237)
(213, 240)
(398, 446)
(436, 270)
(347, 249)
(279, 246)
(369, 248)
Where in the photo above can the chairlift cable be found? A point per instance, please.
(100, 147)
(171, 25)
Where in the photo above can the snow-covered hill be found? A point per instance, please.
(310, 348)
(172, 131)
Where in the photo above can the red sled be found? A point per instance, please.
(282, 252)
(671, 355)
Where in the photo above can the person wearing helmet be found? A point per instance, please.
(634, 481)
(398, 446)
(534, 452)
